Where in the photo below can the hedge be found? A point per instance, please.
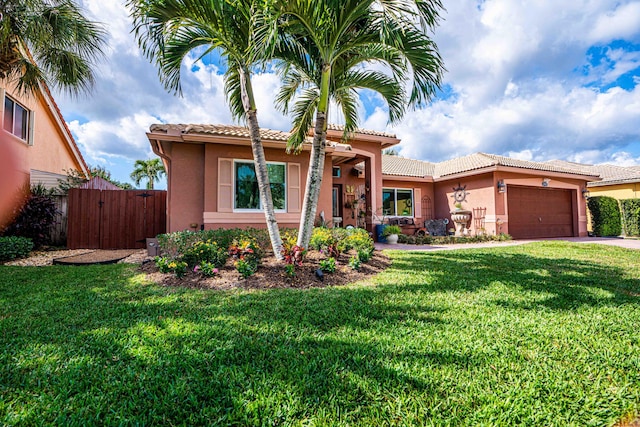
(13, 247)
(631, 216)
(605, 216)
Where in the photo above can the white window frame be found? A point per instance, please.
(30, 117)
(395, 201)
(286, 179)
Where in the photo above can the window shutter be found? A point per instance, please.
(293, 188)
(31, 127)
(417, 203)
(225, 185)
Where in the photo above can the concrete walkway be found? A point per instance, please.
(611, 241)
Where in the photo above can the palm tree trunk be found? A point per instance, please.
(316, 163)
(262, 173)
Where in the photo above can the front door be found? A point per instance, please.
(337, 205)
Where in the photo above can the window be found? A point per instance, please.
(336, 172)
(397, 202)
(16, 119)
(247, 196)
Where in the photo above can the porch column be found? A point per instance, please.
(369, 196)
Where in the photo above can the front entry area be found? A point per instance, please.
(536, 213)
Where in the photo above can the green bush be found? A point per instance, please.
(605, 216)
(35, 218)
(631, 216)
(13, 247)
(447, 240)
(206, 251)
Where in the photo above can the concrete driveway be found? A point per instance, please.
(611, 241)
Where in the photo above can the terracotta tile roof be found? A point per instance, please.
(400, 166)
(483, 160)
(610, 174)
(340, 128)
(222, 130)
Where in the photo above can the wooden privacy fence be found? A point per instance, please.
(112, 219)
(58, 232)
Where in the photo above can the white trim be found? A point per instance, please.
(28, 139)
(395, 200)
(233, 179)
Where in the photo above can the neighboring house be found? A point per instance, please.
(38, 135)
(211, 184)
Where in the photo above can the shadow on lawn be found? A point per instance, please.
(564, 283)
(112, 352)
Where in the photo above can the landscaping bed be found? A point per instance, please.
(271, 274)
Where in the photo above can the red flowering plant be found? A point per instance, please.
(292, 253)
(246, 255)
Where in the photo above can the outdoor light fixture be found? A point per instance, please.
(545, 182)
(502, 187)
(585, 193)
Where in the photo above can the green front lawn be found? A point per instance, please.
(539, 334)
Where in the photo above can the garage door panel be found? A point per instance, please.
(540, 212)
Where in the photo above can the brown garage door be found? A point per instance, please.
(540, 212)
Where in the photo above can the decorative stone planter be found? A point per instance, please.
(461, 218)
(392, 239)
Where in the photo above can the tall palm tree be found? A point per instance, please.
(48, 42)
(327, 56)
(167, 30)
(151, 170)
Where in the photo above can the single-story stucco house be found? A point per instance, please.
(211, 184)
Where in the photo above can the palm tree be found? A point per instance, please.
(167, 30)
(48, 42)
(327, 57)
(151, 170)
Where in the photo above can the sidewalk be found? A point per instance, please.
(611, 241)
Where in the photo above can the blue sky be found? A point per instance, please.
(533, 80)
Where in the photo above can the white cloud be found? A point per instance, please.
(517, 72)
(619, 23)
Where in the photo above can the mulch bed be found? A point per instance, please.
(271, 274)
(95, 257)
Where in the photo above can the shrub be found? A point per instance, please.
(208, 252)
(358, 239)
(247, 256)
(207, 269)
(605, 216)
(325, 240)
(12, 247)
(365, 255)
(354, 262)
(167, 265)
(328, 265)
(631, 216)
(35, 218)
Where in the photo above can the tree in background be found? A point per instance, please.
(48, 42)
(151, 170)
(168, 30)
(75, 178)
(327, 57)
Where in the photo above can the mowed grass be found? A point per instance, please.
(539, 334)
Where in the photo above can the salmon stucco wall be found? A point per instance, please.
(480, 195)
(185, 202)
(50, 151)
(201, 189)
